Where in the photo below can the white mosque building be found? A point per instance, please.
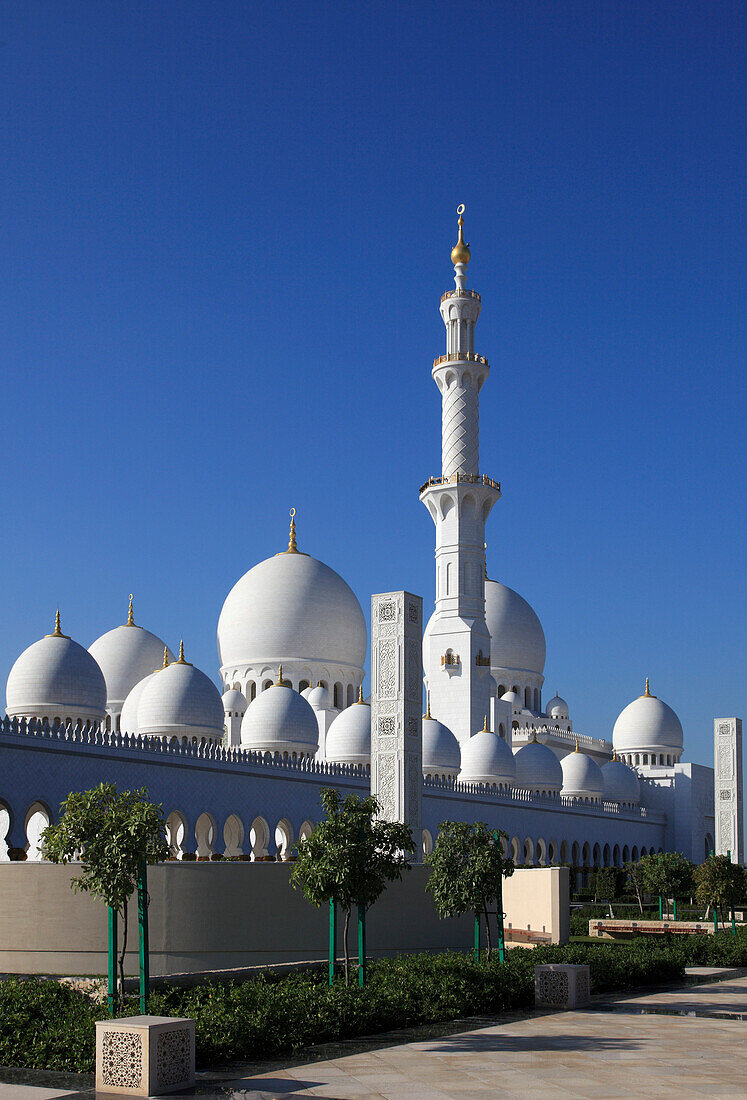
(292, 643)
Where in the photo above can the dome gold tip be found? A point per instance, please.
(460, 253)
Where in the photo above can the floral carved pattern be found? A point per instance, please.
(387, 676)
(553, 987)
(122, 1059)
(173, 1057)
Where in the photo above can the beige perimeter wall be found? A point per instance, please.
(216, 916)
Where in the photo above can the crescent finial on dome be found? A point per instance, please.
(292, 545)
(460, 253)
(130, 614)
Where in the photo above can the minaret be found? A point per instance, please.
(456, 646)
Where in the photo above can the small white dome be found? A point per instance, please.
(56, 678)
(486, 758)
(180, 701)
(279, 720)
(128, 717)
(556, 708)
(647, 725)
(234, 700)
(538, 768)
(318, 697)
(307, 691)
(292, 607)
(517, 640)
(582, 776)
(515, 701)
(126, 655)
(441, 754)
(349, 736)
(620, 783)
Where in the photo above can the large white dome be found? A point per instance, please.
(56, 678)
(517, 640)
(620, 783)
(582, 776)
(281, 721)
(538, 768)
(292, 608)
(486, 758)
(126, 655)
(441, 755)
(349, 736)
(648, 725)
(180, 701)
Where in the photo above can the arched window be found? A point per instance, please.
(528, 698)
(645, 758)
(303, 684)
(337, 697)
(501, 690)
(267, 684)
(502, 731)
(252, 690)
(536, 699)
(350, 695)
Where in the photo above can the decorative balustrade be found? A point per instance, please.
(463, 293)
(454, 479)
(597, 743)
(460, 357)
(482, 662)
(450, 659)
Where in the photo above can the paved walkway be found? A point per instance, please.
(686, 1043)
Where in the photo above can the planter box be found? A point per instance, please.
(559, 985)
(145, 1055)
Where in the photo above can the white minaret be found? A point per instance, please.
(456, 645)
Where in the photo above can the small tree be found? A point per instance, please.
(635, 874)
(718, 881)
(467, 865)
(350, 856)
(111, 834)
(668, 874)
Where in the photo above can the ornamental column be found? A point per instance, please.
(456, 649)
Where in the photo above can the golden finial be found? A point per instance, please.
(280, 681)
(165, 657)
(485, 726)
(614, 754)
(647, 693)
(460, 253)
(130, 614)
(360, 693)
(180, 660)
(485, 548)
(427, 705)
(292, 547)
(576, 748)
(534, 737)
(57, 627)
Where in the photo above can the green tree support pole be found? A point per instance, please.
(112, 983)
(476, 951)
(675, 908)
(660, 908)
(501, 936)
(142, 916)
(361, 944)
(332, 940)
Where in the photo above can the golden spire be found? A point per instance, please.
(485, 548)
(485, 726)
(576, 748)
(130, 615)
(614, 754)
(360, 694)
(165, 657)
(57, 627)
(427, 705)
(180, 659)
(647, 693)
(280, 681)
(292, 546)
(460, 253)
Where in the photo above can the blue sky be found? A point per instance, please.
(226, 228)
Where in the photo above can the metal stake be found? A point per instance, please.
(112, 983)
(142, 917)
(332, 940)
(361, 944)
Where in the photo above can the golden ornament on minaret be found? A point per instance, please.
(460, 253)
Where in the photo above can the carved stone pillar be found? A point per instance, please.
(727, 794)
(396, 709)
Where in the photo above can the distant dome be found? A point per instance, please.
(441, 755)
(126, 655)
(517, 640)
(318, 697)
(56, 678)
(582, 776)
(349, 736)
(279, 720)
(180, 701)
(128, 717)
(620, 783)
(292, 607)
(514, 699)
(234, 701)
(649, 725)
(538, 768)
(486, 758)
(556, 708)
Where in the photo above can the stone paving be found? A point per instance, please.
(621, 1047)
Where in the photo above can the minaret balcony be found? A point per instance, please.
(460, 357)
(463, 293)
(450, 658)
(453, 479)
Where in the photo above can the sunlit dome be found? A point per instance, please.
(234, 702)
(349, 736)
(582, 776)
(318, 697)
(517, 640)
(538, 768)
(648, 725)
(556, 708)
(441, 755)
(486, 758)
(55, 678)
(621, 783)
(280, 721)
(180, 701)
(126, 655)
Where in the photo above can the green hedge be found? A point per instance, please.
(47, 1026)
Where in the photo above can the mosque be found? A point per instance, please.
(293, 716)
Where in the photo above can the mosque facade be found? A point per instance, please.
(238, 771)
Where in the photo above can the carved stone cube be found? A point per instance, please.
(145, 1055)
(561, 985)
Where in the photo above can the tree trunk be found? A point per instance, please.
(122, 955)
(639, 896)
(487, 933)
(347, 947)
